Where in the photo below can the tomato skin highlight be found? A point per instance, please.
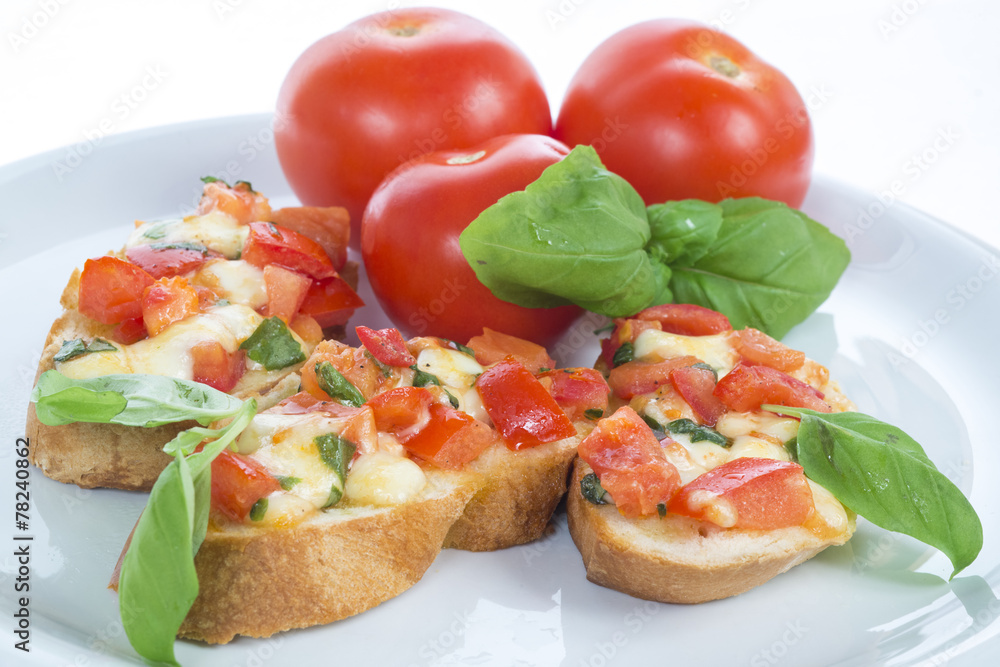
(269, 244)
(237, 483)
(418, 271)
(756, 347)
(686, 319)
(764, 493)
(629, 461)
(329, 226)
(695, 385)
(111, 289)
(683, 111)
(386, 345)
(524, 413)
(576, 390)
(331, 302)
(167, 262)
(746, 388)
(352, 112)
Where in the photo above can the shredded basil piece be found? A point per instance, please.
(422, 378)
(465, 349)
(624, 354)
(212, 179)
(385, 369)
(337, 386)
(258, 510)
(590, 487)
(246, 183)
(336, 452)
(77, 347)
(287, 482)
(182, 245)
(703, 365)
(607, 328)
(661, 509)
(698, 432)
(593, 414)
(273, 346)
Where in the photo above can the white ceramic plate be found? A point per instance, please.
(910, 332)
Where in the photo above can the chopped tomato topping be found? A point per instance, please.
(756, 347)
(522, 410)
(352, 363)
(328, 226)
(492, 346)
(307, 328)
(753, 493)
(216, 367)
(165, 261)
(206, 297)
(130, 331)
(111, 289)
(625, 331)
(576, 390)
(286, 290)
(237, 483)
(238, 201)
(166, 301)
(269, 244)
(386, 345)
(304, 402)
(643, 377)
(629, 461)
(695, 385)
(746, 388)
(686, 319)
(331, 302)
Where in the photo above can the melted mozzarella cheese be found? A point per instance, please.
(215, 230)
(382, 479)
(715, 350)
(454, 369)
(734, 424)
(748, 446)
(235, 280)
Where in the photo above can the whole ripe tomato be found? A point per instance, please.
(409, 241)
(683, 111)
(391, 87)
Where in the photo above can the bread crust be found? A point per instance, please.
(256, 582)
(681, 560)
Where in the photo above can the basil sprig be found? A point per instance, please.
(336, 386)
(884, 475)
(273, 346)
(581, 234)
(77, 347)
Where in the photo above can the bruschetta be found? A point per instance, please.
(687, 493)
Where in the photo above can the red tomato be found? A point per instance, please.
(111, 290)
(683, 111)
(576, 390)
(166, 301)
(216, 367)
(270, 244)
(493, 346)
(351, 362)
(409, 241)
(391, 87)
(386, 345)
(164, 261)
(521, 409)
(237, 483)
(307, 328)
(238, 201)
(756, 347)
(642, 377)
(331, 302)
(753, 493)
(630, 463)
(746, 388)
(286, 290)
(695, 385)
(686, 319)
(129, 331)
(625, 331)
(328, 226)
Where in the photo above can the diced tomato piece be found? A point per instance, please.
(166, 301)
(746, 388)
(111, 289)
(695, 385)
(269, 244)
(522, 410)
(351, 362)
(493, 346)
(238, 201)
(386, 345)
(576, 390)
(686, 319)
(130, 331)
(756, 347)
(304, 402)
(643, 377)
(752, 493)
(328, 226)
(402, 411)
(216, 367)
(165, 261)
(629, 461)
(307, 328)
(286, 290)
(331, 302)
(206, 297)
(625, 331)
(237, 483)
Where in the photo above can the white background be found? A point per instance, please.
(905, 93)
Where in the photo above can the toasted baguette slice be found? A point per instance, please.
(683, 560)
(259, 581)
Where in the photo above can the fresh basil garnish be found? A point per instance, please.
(884, 475)
(661, 509)
(659, 430)
(70, 349)
(698, 432)
(180, 245)
(384, 369)
(273, 346)
(287, 482)
(336, 452)
(593, 413)
(624, 354)
(258, 510)
(590, 487)
(337, 386)
(212, 179)
(423, 378)
(464, 349)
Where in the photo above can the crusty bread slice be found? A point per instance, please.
(683, 560)
(520, 491)
(256, 582)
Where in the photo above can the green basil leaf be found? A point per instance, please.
(770, 267)
(465, 349)
(683, 231)
(181, 245)
(273, 346)
(129, 399)
(287, 482)
(77, 347)
(212, 179)
(593, 414)
(423, 378)
(624, 354)
(575, 235)
(698, 432)
(337, 386)
(258, 510)
(336, 452)
(158, 581)
(884, 475)
(590, 487)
